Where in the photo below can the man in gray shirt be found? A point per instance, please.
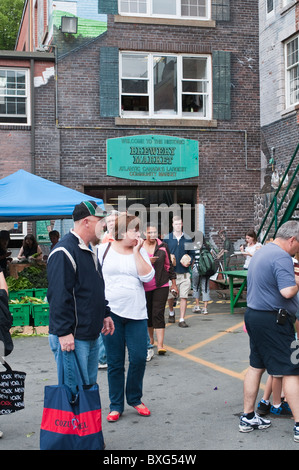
(270, 315)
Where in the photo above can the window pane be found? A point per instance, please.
(124, 7)
(193, 8)
(20, 83)
(294, 85)
(11, 106)
(134, 86)
(269, 5)
(194, 87)
(134, 103)
(21, 106)
(134, 65)
(133, 6)
(293, 52)
(165, 84)
(164, 7)
(2, 81)
(194, 68)
(192, 103)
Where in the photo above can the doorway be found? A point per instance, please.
(156, 199)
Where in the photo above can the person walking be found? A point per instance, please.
(110, 223)
(78, 309)
(183, 257)
(157, 289)
(200, 284)
(126, 267)
(272, 304)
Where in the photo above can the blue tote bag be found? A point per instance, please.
(71, 422)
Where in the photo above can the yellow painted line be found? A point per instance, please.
(213, 338)
(203, 362)
(185, 353)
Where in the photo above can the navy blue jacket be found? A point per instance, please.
(76, 291)
(178, 249)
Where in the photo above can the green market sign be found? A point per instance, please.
(152, 158)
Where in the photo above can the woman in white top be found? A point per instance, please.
(252, 246)
(126, 266)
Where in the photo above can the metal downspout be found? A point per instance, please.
(32, 112)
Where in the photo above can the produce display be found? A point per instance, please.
(28, 297)
(27, 300)
(31, 277)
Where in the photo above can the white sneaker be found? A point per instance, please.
(204, 311)
(1, 434)
(196, 309)
(102, 366)
(247, 425)
(150, 354)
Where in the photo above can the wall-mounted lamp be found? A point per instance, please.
(69, 24)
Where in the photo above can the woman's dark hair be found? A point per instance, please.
(251, 233)
(123, 223)
(32, 238)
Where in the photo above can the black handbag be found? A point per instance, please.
(12, 388)
(6, 343)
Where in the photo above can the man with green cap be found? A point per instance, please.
(79, 311)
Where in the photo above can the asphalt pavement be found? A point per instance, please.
(194, 392)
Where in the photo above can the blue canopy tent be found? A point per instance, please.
(24, 196)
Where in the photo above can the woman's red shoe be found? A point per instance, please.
(142, 410)
(113, 416)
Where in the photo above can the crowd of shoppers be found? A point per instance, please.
(112, 293)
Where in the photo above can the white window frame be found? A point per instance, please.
(10, 226)
(288, 73)
(26, 96)
(172, 115)
(178, 15)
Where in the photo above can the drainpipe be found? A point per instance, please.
(32, 113)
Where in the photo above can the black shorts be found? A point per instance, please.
(272, 346)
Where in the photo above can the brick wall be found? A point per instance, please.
(74, 152)
(228, 176)
(279, 124)
(15, 150)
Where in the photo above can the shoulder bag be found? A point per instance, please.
(71, 422)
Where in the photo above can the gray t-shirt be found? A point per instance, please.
(271, 269)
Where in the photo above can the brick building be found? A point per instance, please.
(171, 73)
(279, 80)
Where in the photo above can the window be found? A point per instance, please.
(292, 71)
(199, 9)
(165, 86)
(17, 230)
(270, 6)
(14, 96)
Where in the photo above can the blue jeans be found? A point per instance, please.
(149, 345)
(102, 351)
(133, 334)
(86, 355)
